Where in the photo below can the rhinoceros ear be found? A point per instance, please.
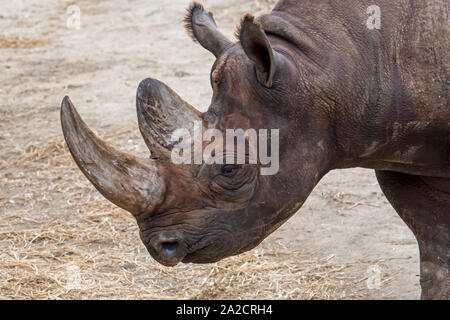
(201, 27)
(257, 47)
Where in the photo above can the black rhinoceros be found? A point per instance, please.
(345, 88)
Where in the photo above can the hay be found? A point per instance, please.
(16, 42)
(59, 239)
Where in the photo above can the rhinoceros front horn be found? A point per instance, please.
(160, 112)
(131, 183)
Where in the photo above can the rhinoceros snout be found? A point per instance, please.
(166, 248)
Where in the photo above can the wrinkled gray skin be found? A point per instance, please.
(342, 96)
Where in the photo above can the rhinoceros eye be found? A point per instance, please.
(234, 182)
(229, 171)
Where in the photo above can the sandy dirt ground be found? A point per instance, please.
(60, 239)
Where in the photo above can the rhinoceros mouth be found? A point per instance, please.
(198, 256)
(209, 251)
(201, 257)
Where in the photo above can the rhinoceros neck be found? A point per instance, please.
(390, 108)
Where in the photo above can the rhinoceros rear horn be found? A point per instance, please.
(160, 113)
(201, 27)
(131, 183)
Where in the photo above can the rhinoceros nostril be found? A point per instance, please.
(169, 248)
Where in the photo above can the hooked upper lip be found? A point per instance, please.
(169, 248)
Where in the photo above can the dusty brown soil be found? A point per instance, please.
(52, 220)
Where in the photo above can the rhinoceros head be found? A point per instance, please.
(202, 213)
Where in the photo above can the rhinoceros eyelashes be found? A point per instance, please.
(257, 47)
(201, 27)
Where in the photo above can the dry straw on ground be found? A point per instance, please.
(89, 249)
(16, 42)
